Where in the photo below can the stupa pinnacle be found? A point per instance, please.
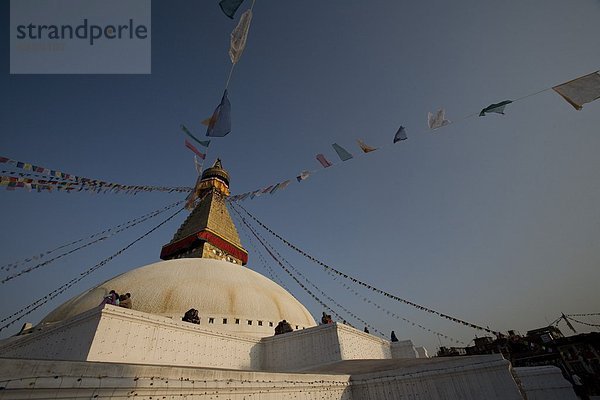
(208, 232)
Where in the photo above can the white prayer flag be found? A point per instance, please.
(581, 90)
(239, 35)
(437, 120)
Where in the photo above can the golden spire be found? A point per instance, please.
(208, 232)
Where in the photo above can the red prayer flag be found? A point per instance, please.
(195, 150)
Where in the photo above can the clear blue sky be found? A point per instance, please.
(495, 220)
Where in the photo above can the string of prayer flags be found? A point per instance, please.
(373, 288)
(203, 143)
(239, 36)
(195, 150)
(220, 122)
(62, 181)
(400, 134)
(324, 162)
(341, 152)
(497, 108)
(582, 90)
(365, 147)
(303, 175)
(437, 120)
(229, 7)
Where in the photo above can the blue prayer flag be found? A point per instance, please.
(220, 122)
(400, 135)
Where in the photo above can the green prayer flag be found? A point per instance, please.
(204, 143)
(497, 108)
(229, 7)
(342, 153)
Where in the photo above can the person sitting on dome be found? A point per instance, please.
(283, 327)
(286, 327)
(191, 316)
(366, 330)
(112, 298)
(125, 300)
(394, 338)
(326, 319)
(278, 329)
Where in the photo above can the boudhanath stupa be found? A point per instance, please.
(83, 350)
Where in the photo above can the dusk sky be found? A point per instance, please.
(494, 220)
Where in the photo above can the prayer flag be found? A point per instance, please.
(303, 175)
(400, 134)
(497, 108)
(365, 147)
(581, 90)
(267, 189)
(3, 159)
(239, 36)
(229, 7)
(203, 143)
(195, 150)
(284, 184)
(274, 189)
(220, 124)
(321, 158)
(207, 121)
(341, 152)
(437, 120)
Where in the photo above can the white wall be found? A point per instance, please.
(300, 349)
(115, 334)
(544, 383)
(35, 379)
(134, 337)
(356, 345)
(465, 378)
(403, 349)
(68, 341)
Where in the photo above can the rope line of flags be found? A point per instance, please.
(266, 244)
(20, 314)
(105, 235)
(584, 315)
(391, 313)
(583, 323)
(368, 286)
(58, 180)
(352, 290)
(272, 274)
(576, 92)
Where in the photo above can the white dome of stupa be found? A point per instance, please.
(229, 297)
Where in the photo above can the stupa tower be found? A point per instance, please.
(208, 232)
